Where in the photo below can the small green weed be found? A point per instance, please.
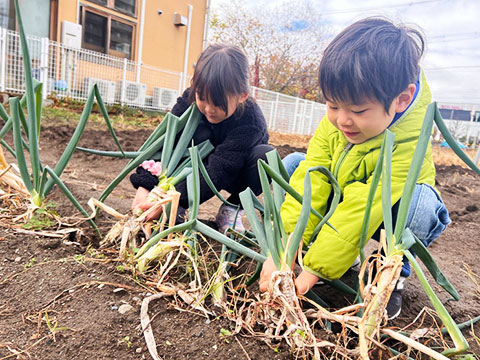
(54, 328)
(42, 218)
(225, 334)
(30, 263)
(126, 341)
(79, 258)
(94, 252)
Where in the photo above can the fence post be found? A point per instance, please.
(310, 124)
(124, 79)
(180, 81)
(295, 116)
(44, 45)
(304, 113)
(3, 57)
(274, 117)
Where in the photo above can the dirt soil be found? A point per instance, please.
(81, 290)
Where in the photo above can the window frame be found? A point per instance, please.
(109, 18)
(111, 6)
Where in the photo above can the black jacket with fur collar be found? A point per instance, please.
(233, 139)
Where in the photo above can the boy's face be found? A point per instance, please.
(359, 122)
(364, 121)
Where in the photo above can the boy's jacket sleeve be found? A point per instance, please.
(332, 253)
(318, 153)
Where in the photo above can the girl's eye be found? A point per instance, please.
(332, 107)
(359, 112)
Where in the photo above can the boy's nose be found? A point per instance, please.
(344, 119)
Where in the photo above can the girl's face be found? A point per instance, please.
(215, 114)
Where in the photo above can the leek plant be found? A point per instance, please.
(147, 252)
(9, 178)
(162, 146)
(40, 180)
(397, 242)
(174, 168)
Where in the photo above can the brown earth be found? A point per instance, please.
(81, 289)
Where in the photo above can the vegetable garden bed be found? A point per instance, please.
(82, 289)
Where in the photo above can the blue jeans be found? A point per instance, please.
(427, 218)
(291, 161)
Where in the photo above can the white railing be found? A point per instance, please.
(68, 72)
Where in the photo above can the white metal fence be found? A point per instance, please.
(69, 72)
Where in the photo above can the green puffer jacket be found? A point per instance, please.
(332, 253)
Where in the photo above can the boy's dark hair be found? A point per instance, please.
(221, 70)
(370, 59)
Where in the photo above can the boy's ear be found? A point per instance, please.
(404, 99)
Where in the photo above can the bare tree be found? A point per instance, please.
(283, 43)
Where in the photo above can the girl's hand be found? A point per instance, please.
(305, 281)
(267, 270)
(140, 197)
(140, 202)
(155, 214)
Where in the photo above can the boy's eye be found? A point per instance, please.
(333, 107)
(359, 112)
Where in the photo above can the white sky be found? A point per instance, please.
(452, 28)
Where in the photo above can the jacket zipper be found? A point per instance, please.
(344, 153)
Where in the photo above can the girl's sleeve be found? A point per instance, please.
(143, 178)
(318, 153)
(229, 157)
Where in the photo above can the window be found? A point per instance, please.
(463, 115)
(446, 114)
(95, 32)
(125, 6)
(455, 114)
(106, 33)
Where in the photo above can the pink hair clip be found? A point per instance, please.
(155, 167)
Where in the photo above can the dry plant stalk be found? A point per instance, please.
(128, 226)
(283, 307)
(376, 294)
(9, 178)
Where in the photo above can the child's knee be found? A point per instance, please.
(291, 161)
(428, 217)
(259, 152)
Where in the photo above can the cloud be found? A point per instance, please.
(452, 57)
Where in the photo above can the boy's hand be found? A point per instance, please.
(305, 281)
(267, 270)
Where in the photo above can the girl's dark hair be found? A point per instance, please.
(221, 70)
(371, 59)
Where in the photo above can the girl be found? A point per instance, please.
(234, 124)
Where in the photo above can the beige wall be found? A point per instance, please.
(163, 42)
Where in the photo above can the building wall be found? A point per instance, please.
(163, 42)
(35, 16)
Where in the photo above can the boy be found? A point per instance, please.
(371, 79)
